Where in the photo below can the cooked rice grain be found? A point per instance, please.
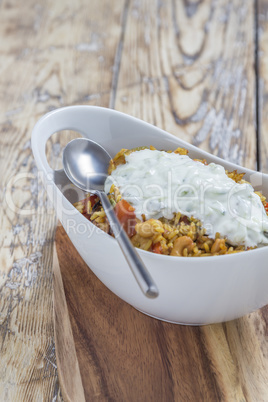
(163, 232)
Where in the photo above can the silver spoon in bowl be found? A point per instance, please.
(86, 164)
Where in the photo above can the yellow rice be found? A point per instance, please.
(179, 236)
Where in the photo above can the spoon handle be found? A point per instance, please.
(139, 270)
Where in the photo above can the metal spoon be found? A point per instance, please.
(86, 164)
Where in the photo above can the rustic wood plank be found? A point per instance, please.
(68, 370)
(52, 54)
(125, 355)
(188, 67)
(263, 81)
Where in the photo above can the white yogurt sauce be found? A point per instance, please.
(159, 184)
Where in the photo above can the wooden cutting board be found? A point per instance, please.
(108, 351)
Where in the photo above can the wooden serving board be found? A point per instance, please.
(108, 351)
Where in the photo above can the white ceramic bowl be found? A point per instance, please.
(192, 290)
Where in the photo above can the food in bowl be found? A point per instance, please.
(171, 204)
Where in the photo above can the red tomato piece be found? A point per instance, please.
(93, 199)
(126, 215)
(185, 219)
(157, 248)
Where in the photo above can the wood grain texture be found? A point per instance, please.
(188, 67)
(52, 54)
(262, 21)
(69, 372)
(124, 355)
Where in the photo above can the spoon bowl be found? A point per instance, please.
(86, 164)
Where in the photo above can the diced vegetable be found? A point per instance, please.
(157, 248)
(126, 215)
(88, 203)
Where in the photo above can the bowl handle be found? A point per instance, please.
(42, 131)
(52, 122)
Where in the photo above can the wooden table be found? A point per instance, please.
(198, 69)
